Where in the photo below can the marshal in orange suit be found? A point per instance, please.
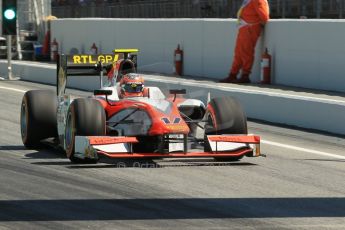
(252, 16)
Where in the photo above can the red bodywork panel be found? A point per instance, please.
(236, 153)
(96, 140)
(236, 139)
(158, 126)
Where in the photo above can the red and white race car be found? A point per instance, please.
(154, 125)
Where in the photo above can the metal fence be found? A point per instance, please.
(307, 8)
(196, 9)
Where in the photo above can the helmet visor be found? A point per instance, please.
(133, 88)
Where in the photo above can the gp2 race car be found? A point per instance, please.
(152, 126)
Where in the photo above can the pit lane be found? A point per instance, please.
(291, 188)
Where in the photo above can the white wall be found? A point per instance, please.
(208, 44)
(306, 53)
(260, 103)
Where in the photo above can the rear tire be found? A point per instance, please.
(224, 116)
(86, 117)
(38, 117)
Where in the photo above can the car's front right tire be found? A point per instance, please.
(224, 116)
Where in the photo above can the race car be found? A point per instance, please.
(144, 123)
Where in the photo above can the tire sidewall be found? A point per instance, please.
(38, 111)
(78, 112)
(227, 116)
(216, 124)
(70, 125)
(24, 130)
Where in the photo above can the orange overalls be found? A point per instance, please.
(251, 17)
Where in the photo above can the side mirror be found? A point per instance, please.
(177, 91)
(102, 92)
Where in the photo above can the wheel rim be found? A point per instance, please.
(210, 122)
(23, 121)
(69, 134)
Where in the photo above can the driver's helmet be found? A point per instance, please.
(131, 85)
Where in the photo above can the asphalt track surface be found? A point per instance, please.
(300, 185)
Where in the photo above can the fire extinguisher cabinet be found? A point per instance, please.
(265, 73)
(178, 60)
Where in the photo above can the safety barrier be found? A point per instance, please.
(305, 53)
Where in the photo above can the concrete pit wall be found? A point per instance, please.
(306, 53)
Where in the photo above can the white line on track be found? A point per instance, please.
(316, 152)
(13, 89)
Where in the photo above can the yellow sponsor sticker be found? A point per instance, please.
(94, 59)
(180, 128)
(126, 50)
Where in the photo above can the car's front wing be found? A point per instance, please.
(121, 147)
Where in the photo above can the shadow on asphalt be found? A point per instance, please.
(53, 163)
(119, 163)
(151, 164)
(175, 208)
(131, 163)
(50, 153)
(12, 147)
(46, 154)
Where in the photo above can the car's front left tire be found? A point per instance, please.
(85, 117)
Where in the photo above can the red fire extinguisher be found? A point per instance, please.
(94, 49)
(265, 75)
(54, 50)
(178, 59)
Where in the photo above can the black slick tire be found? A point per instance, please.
(85, 117)
(224, 116)
(38, 117)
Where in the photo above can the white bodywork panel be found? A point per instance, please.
(219, 146)
(134, 122)
(226, 146)
(192, 102)
(155, 93)
(114, 148)
(83, 148)
(176, 147)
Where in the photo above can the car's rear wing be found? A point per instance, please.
(89, 65)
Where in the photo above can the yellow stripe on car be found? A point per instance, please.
(126, 50)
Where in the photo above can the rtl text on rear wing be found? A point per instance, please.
(89, 65)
